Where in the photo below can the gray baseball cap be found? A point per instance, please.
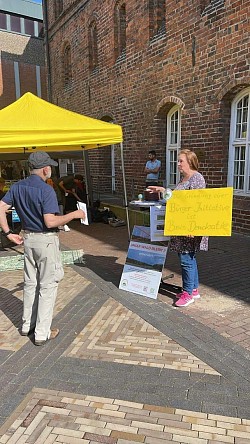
(40, 159)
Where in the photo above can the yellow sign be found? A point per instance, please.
(202, 212)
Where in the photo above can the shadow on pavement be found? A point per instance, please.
(225, 268)
(105, 267)
(12, 306)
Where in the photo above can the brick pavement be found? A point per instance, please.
(48, 416)
(125, 368)
(11, 304)
(224, 276)
(117, 334)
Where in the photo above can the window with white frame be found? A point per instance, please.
(173, 146)
(66, 167)
(239, 145)
(20, 25)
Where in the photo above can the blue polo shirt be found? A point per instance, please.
(32, 198)
(151, 165)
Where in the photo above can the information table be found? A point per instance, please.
(146, 203)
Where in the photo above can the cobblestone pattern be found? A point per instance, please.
(47, 367)
(11, 304)
(224, 276)
(48, 416)
(117, 334)
(226, 393)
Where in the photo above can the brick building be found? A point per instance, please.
(22, 62)
(174, 74)
(22, 56)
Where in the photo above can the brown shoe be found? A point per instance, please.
(53, 334)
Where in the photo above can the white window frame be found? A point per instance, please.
(235, 142)
(64, 165)
(172, 147)
(8, 27)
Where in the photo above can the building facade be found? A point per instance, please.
(22, 59)
(22, 64)
(174, 74)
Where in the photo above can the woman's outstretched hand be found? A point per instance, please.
(154, 188)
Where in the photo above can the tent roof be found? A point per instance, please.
(31, 123)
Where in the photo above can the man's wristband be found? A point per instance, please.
(7, 234)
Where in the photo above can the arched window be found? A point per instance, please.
(58, 7)
(211, 6)
(173, 145)
(120, 29)
(157, 17)
(93, 48)
(239, 145)
(67, 67)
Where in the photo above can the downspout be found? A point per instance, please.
(47, 52)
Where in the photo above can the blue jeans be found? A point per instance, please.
(190, 278)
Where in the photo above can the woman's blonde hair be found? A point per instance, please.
(191, 158)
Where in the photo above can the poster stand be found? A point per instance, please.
(142, 273)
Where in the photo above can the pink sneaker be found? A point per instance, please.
(184, 300)
(195, 294)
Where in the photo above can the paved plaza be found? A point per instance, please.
(125, 368)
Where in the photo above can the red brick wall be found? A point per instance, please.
(201, 63)
(27, 74)
(7, 83)
(28, 52)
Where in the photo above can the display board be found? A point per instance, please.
(202, 212)
(144, 263)
(157, 220)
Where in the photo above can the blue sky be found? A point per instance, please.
(36, 1)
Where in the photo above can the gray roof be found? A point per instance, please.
(25, 8)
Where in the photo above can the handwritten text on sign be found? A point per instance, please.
(203, 212)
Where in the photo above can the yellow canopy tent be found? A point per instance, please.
(32, 123)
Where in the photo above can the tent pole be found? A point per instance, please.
(86, 177)
(125, 190)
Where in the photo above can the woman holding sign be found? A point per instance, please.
(187, 246)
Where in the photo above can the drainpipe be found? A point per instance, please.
(47, 52)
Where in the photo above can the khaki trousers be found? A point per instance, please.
(42, 272)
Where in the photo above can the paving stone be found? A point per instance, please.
(229, 389)
(106, 347)
(219, 409)
(62, 385)
(10, 404)
(243, 412)
(26, 366)
(4, 355)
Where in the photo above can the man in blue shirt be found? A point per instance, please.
(152, 169)
(36, 204)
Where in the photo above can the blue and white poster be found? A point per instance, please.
(143, 269)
